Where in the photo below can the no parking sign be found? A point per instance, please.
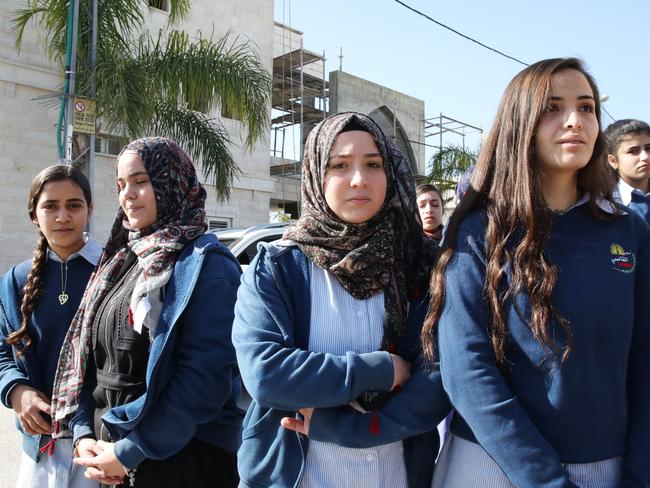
(84, 115)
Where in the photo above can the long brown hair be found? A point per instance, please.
(33, 288)
(508, 183)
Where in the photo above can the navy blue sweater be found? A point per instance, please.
(50, 319)
(536, 413)
(641, 205)
(48, 325)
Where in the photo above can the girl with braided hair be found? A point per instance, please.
(147, 381)
(38, 299)
(327, 325)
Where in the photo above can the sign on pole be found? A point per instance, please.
(84, 115)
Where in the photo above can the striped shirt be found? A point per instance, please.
(465, 464)
(342, 323)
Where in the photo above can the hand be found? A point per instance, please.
(300, 426)
(102, 464)
(401, 372)
(28, 404)
(88, 448)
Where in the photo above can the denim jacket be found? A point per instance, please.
(192, 381)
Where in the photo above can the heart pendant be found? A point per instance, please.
(63, 297)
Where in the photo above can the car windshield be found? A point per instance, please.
(229, 242)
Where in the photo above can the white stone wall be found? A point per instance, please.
(27, 137)
(27, 126)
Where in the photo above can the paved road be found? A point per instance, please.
(9, 449)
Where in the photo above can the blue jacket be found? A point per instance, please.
(192, 380)
(537, 412)
(271, 334)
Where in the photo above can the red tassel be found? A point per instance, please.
(130, 317)
(374, 424)
(49, 447)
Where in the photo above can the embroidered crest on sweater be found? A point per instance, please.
(622, 260)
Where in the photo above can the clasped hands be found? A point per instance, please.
(100, 461)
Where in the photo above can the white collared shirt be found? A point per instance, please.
(604, 205)
(91, 251)
(623, 192)
(341, 323)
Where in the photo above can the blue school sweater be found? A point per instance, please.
(47, 327)
(640, 204)
(634, 199)
(535, 412)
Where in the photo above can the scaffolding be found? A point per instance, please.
(442, 125)
(299, 101)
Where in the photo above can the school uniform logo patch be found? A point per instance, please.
(622, 261)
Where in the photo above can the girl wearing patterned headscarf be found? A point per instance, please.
(326, 326)
(147, 380)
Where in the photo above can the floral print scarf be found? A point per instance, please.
(387, 253)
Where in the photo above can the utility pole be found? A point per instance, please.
(71, 71)
(92, 61)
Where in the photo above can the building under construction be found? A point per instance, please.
(304, 94)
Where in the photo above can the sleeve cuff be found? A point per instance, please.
(381, 367)
(82, 432)
(129, 453)
(14, 379)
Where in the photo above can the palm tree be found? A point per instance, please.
(448, 164)
(167, 84)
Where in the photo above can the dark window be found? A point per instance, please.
(227, 111)
(114, 146)
(159, 4)
(217, 224)
(251, 251)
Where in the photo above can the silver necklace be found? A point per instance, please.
(63, 297)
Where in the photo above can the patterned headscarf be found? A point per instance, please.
(180, 218)
(386, 253)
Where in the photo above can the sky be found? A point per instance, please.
(388, 44)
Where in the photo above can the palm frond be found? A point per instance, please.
(148, 85)
(51, 17)
(178, 9)
(123, 92)
(219, 72)
(205, 140)
(448, 164)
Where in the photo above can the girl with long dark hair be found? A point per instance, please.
(327, 326)
(540, 302)
(38, 299)
(147, 380)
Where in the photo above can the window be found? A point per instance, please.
(227, 111)
(159, 4)
(105, 144)
(246, 257)
(217, 223)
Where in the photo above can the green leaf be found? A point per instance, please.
(448, 164)
(149, 85)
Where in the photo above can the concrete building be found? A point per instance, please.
(303, 95)
(29, 84)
